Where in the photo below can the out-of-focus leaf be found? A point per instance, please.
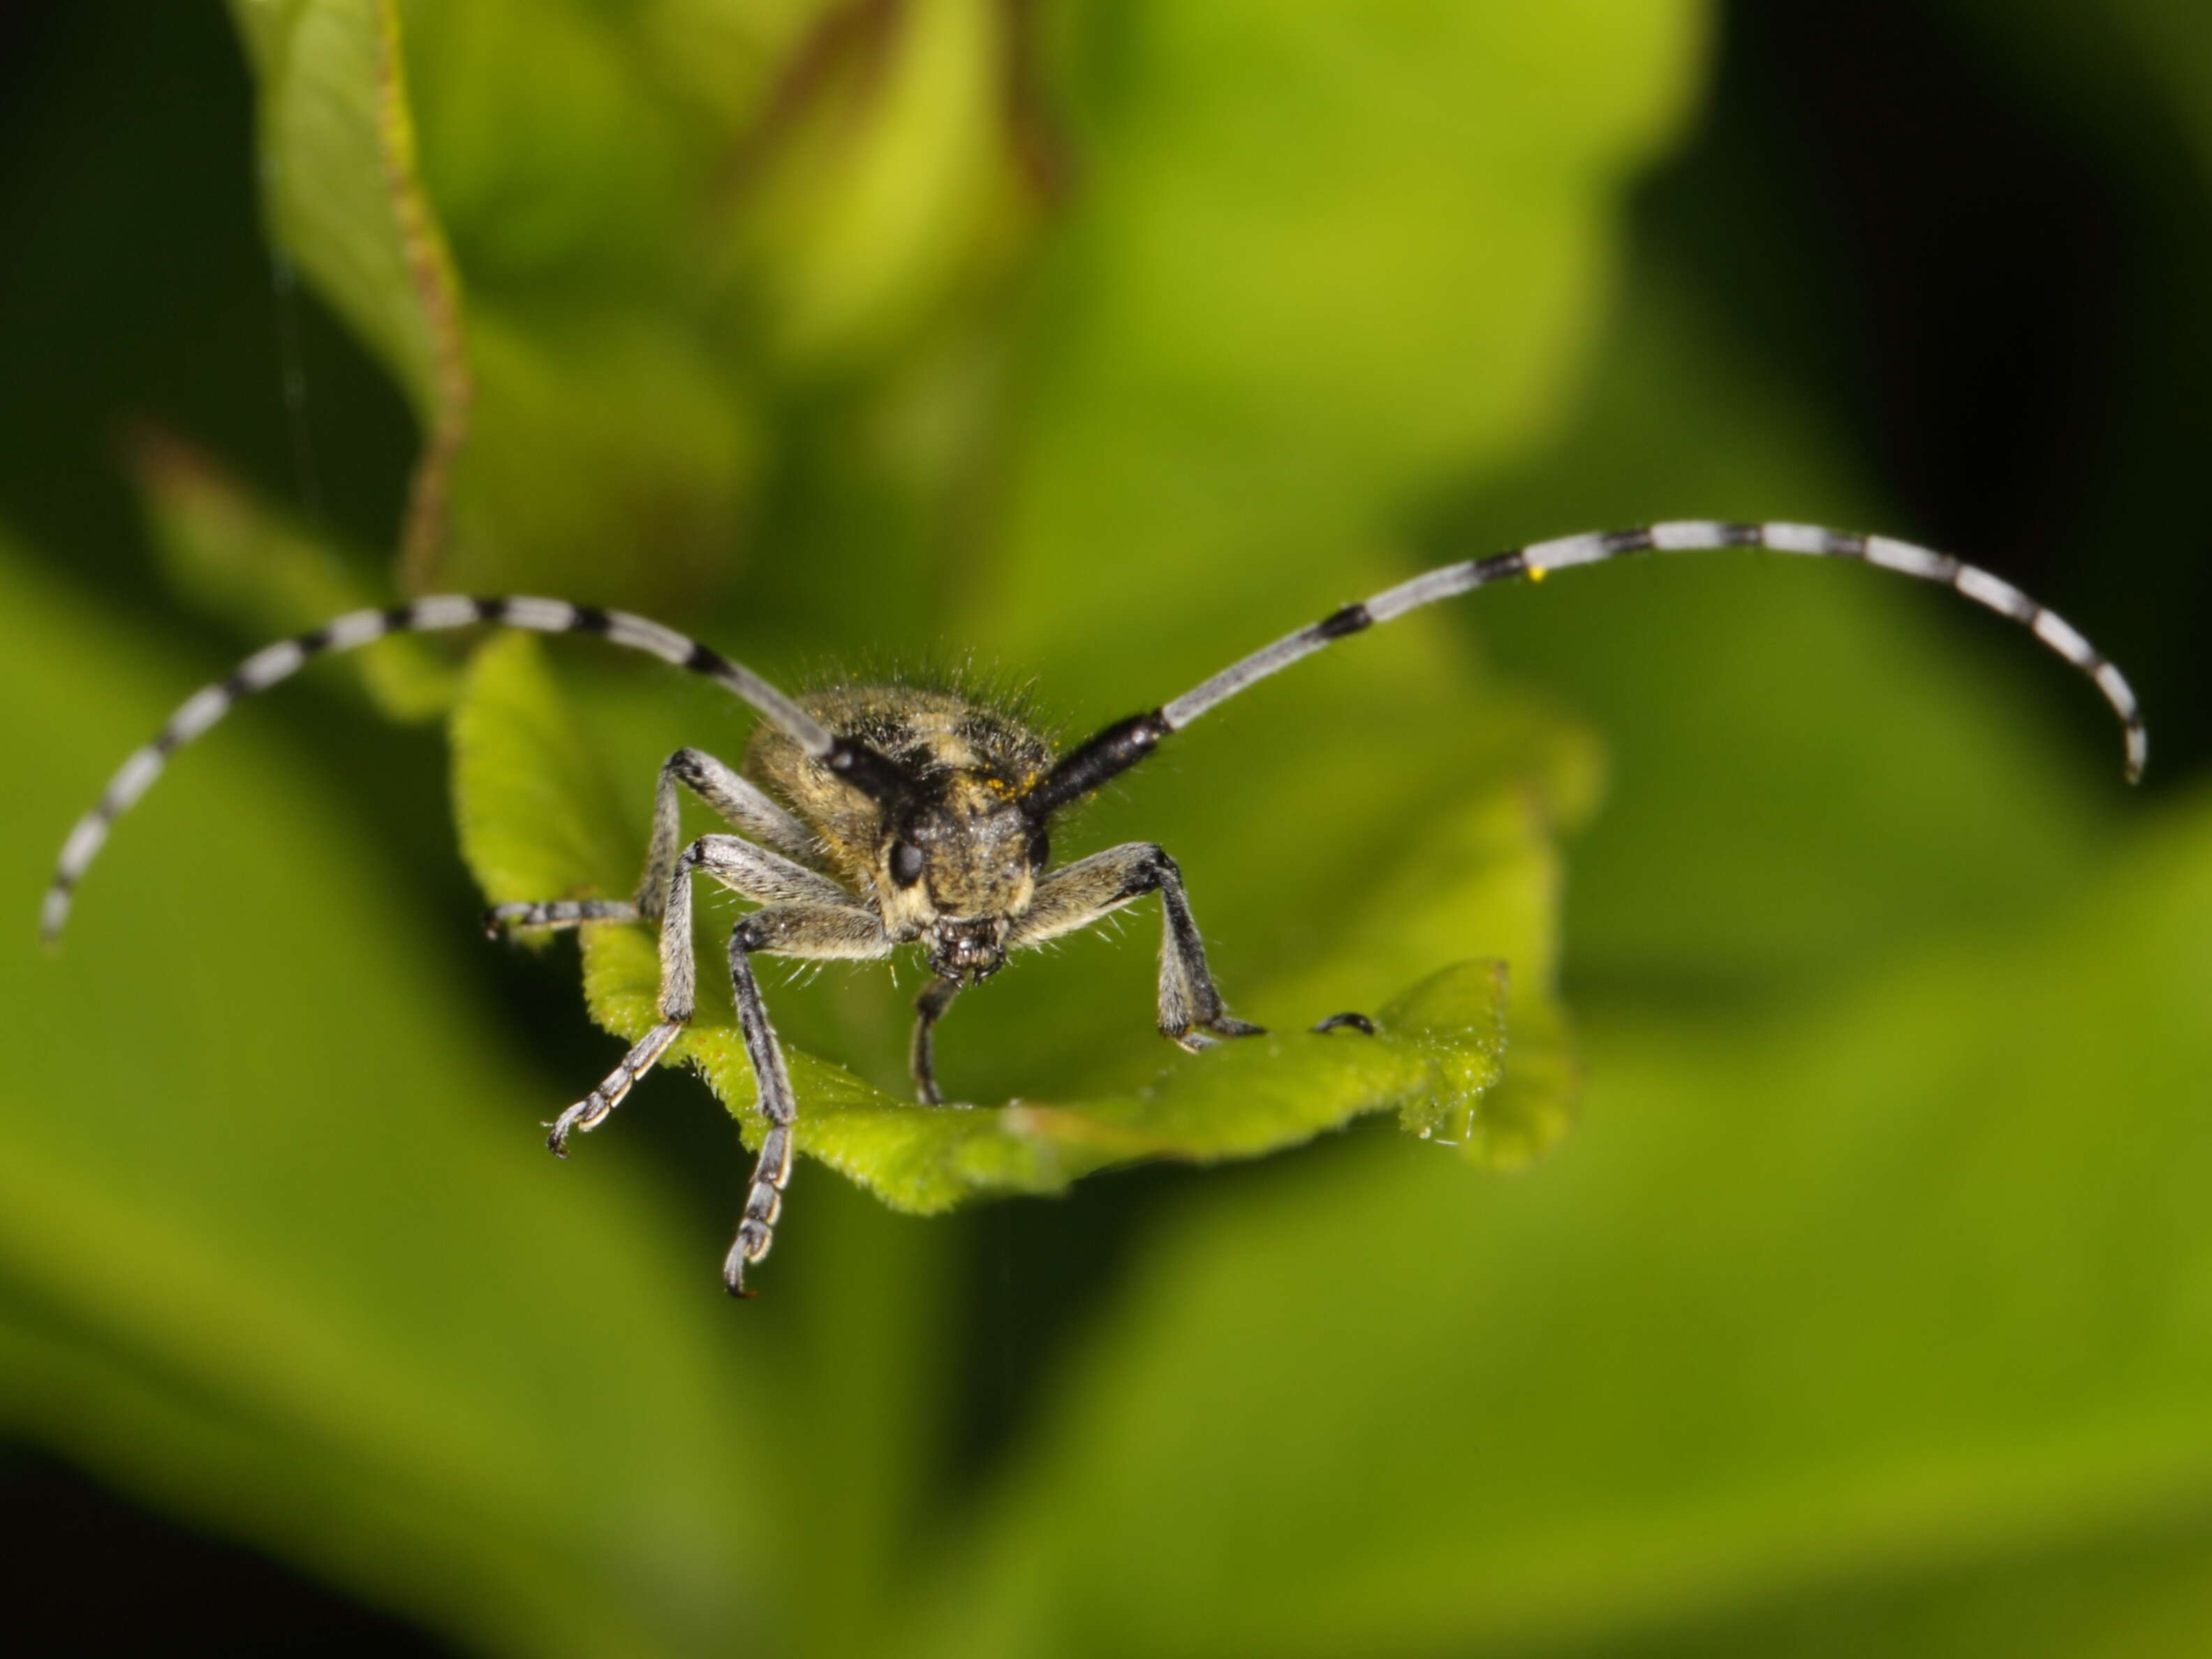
(604, 454)
(611, 461)
(536, 818)
(240, 558)
(339, 183)
(551, 159)
(344, 200)
(1269, 325)
(616, 446)
(2134, 1590)
(1835, 1297)
(655, 212)
(1815, 765)
(279, 1247)
(887, 176)
(530, 807)
(719, 60)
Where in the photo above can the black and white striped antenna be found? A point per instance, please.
(1112, 751)
(859, 765)
(1124, 743)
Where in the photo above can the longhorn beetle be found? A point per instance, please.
(878, 817)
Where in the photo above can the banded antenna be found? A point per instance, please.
(859, 765)
(1122, 744)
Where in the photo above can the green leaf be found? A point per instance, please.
(655, 213)
(1434, 1054)
(1816, 767)
(278, 1244)
(339, 184)
(561, 428)
(1271, 322)
(344, 200)
(237, 557)
(1878, 1295)
(535, 825)
(612, 457)
(536, 818)
(888, 181)
(551, 156)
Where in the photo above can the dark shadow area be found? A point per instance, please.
(89, 1572)
(2012, 324)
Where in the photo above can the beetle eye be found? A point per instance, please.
(906, 864)
(1040, 848)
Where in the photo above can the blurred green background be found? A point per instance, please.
(1869, 1308)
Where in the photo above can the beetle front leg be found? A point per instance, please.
(1191, 1011)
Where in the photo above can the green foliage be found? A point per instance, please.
(345, 199)
(243, 560)
(1844, 766)
(302, 1283)
(1866, 1309)
(1805, 1320)
(341, 189)
(650, 247)
(535, 817)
